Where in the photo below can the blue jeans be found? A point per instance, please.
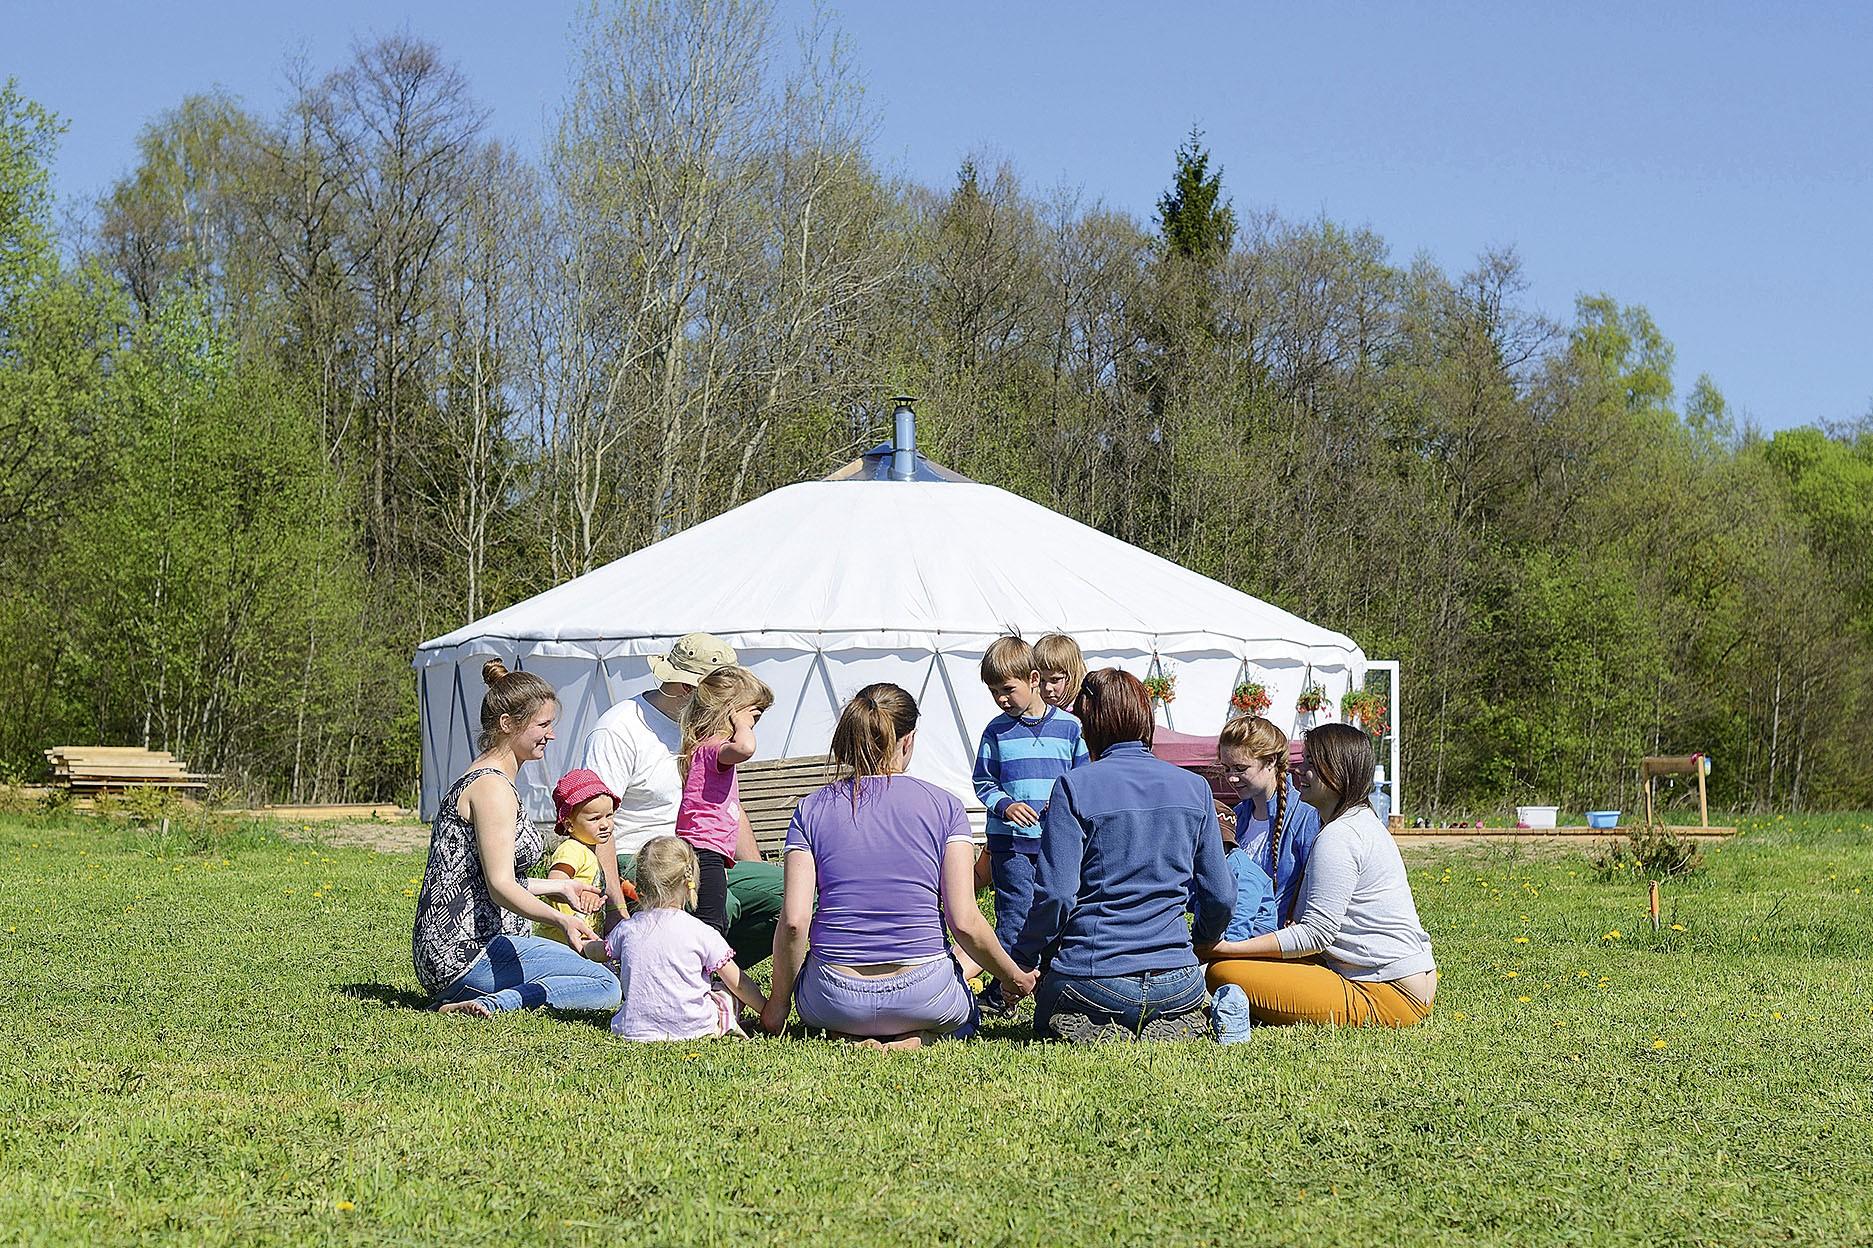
(524, 972)
(1154, 1005)
(1012, 875)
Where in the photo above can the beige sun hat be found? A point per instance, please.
(693, 656)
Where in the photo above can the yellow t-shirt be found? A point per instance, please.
(583, 860)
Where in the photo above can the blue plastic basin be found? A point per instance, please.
(1603, 818)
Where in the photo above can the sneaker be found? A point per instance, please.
(1229, 1011)
(992, 1003)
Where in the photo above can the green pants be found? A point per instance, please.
(754, 893)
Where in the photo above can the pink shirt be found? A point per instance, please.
(710, 816)
(665, 958)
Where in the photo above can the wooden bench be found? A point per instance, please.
(771, 788)
(113, 768)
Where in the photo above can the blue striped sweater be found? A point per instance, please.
(1018, 761)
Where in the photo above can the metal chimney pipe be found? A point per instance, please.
(904, 441)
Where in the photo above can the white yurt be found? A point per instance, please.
(893, 569)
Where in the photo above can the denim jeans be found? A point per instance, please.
(1013, 878)
(523, 972)
(1154, 1005)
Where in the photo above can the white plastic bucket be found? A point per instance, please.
(1536, 816)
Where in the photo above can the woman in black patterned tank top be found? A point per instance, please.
(472, 943)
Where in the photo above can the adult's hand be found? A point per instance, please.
(578, 933)
(774, 1017)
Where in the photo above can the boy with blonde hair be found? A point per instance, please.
(1023, 751)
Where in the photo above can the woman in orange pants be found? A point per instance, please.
(1355, 954)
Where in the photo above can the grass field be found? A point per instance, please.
(212, 1038)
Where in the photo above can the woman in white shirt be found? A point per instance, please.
(1355, 954)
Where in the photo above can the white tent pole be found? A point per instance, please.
(1396, 781)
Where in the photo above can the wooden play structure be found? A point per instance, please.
(771, 788)
(1654, 766)
(1651, 769)
(90, 770)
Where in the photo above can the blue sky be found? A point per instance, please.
(1709, 161)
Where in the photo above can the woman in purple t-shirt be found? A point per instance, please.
(887, 858)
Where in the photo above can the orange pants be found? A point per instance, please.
(1306, 992)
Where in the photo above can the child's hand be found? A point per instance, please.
(1021, 986)
(585, 898)
(1022, 814)
(744, 721)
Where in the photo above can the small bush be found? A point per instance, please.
(1657, 853)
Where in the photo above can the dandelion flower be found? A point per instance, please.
(1581, 975)
(1459, 1015)
(1612, 935)
(1521, 940)
(1510, 974)
(1776, 1015)
(1657, 1044)
(344, 1206)
(1677, 927)
(1524, 1000)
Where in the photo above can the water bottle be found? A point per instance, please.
(1379, 798)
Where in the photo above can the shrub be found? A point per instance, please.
(1657, 853)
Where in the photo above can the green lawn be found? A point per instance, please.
(213, 1040)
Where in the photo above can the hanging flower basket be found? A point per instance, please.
(1250, 698)
(1162, 688)
(1313, 700)
(1365, 709)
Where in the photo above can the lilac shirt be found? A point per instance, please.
(665, 958)
(878, 872)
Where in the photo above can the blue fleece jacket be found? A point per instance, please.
(1130, 841)
(1253, 821)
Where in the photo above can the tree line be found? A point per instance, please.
(308, 388)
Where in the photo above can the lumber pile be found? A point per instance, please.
(771, 788)
(113, 768)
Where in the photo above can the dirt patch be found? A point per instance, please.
(385, 837)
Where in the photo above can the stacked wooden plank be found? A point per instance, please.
(771, 788)
(112, 768)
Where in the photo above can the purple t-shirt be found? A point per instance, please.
(878, 871)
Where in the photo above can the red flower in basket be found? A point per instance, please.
(1251, 698)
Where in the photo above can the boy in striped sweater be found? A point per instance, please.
(1023, 751)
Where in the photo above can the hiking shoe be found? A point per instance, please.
(1085, 1029)
(1190, 1025)
(1229, 1012)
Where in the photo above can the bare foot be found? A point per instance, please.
(473, 1008)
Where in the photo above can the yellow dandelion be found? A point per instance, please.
(1459, 1015)
(1510, 974)
(1612, 935)
(1677, 927)
(344, 1206)
(1524, 1000)
(1581, 975)
(1776, 1015)
(409, 892)
(1657, 1044)
(1521, 940)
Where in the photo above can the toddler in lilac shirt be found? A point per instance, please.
(666, 957)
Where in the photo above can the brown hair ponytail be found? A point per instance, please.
(516, 695)
(871, 728)
(1342, 757)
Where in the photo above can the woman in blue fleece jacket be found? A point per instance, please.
(1128, 845)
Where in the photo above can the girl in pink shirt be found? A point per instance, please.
(665, 957)
(718, 736)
